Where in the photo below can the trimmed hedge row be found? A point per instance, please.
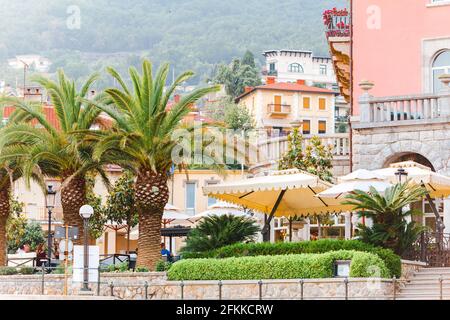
(294, 266)
(392, 261)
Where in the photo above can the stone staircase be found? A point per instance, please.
(425, 284)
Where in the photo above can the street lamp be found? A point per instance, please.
(50, 198)
(86, 212)
(401, 172)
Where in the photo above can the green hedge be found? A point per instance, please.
(294, 266)
(391, 260)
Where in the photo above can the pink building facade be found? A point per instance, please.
(399, 45)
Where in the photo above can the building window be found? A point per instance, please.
(306, 102)
(323, 69)
(322, 127)
(211, 201)
(190, 197)
(441, 65)
(306, 127)
(295, 67)
(322, 104)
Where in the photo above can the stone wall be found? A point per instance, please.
(133, 286)
(375, 144)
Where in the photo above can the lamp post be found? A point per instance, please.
(401, 172)
(50, 202)
(86, 212)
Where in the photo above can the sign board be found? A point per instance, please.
(60, 232)
(78, 263)
(62, 249)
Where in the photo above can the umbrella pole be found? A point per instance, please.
(267, 220)
(290, 229)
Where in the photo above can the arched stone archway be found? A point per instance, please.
(398, 150)
(409, 156)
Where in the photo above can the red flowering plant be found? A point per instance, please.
(337, 22)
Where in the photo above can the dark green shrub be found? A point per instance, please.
(392, 261)
(26, 270)
(6, 271)
(163, 265)
(141, 269)
(295, 266)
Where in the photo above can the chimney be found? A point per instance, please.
(270, 80)
(247, 89)
(299, 81)
(176, 98)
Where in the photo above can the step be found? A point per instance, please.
(425, 291)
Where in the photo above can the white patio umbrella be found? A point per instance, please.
(358, 180)
(221, 208)
(437, 184)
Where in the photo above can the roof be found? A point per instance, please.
(282, 86)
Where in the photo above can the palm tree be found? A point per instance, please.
(142, 138)
(388, 211)
(217, 231)
(54, 148)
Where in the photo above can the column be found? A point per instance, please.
(447, 215)
(444, 100)
(307, 230)
(364, 101)
(348, 225)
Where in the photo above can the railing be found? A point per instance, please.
(270, 73)
(432, 248)
(337, 22)
(274, 148)
(278, 109)
(403, 109)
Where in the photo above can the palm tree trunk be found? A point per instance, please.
(152, 194)
(4, 213)
(73, 196)
(149, 242)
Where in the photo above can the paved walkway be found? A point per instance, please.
(49, 297)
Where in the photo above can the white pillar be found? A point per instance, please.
(272, 231)
(447, 215)
(348, 225)
(407, 218)
(307, 230)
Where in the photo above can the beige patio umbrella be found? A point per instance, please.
(283, 193)
(361, 180)
(437, 184)
(221, 208)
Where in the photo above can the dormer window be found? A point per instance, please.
(296, 68)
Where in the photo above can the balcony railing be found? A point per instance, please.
(278, 109)
(337, 23)
(273, 149)
(269, 73)
(397, 110)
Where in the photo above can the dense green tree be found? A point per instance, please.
(315, 158)
(388, 211)
(20, 231)
(233, 116)
(237, 75)
(218, 231)
(121, 204)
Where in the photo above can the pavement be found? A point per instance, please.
(50, 297)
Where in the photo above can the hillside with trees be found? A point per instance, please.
(191, 34)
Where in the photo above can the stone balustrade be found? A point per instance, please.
(403, 110)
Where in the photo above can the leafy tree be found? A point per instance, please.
(121, 204)
(142, 140)
(59, 149)
(234, 116)
(390, 228)
(218, 231)
(98, 219)
(315, 158)
(237, 75)
(20, 231)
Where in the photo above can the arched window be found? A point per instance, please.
(295, 67)
(441, 65)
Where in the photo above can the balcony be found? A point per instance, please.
(337, 23)
(266, 72)
(337, 29)
(396, 111)
(278, 109)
